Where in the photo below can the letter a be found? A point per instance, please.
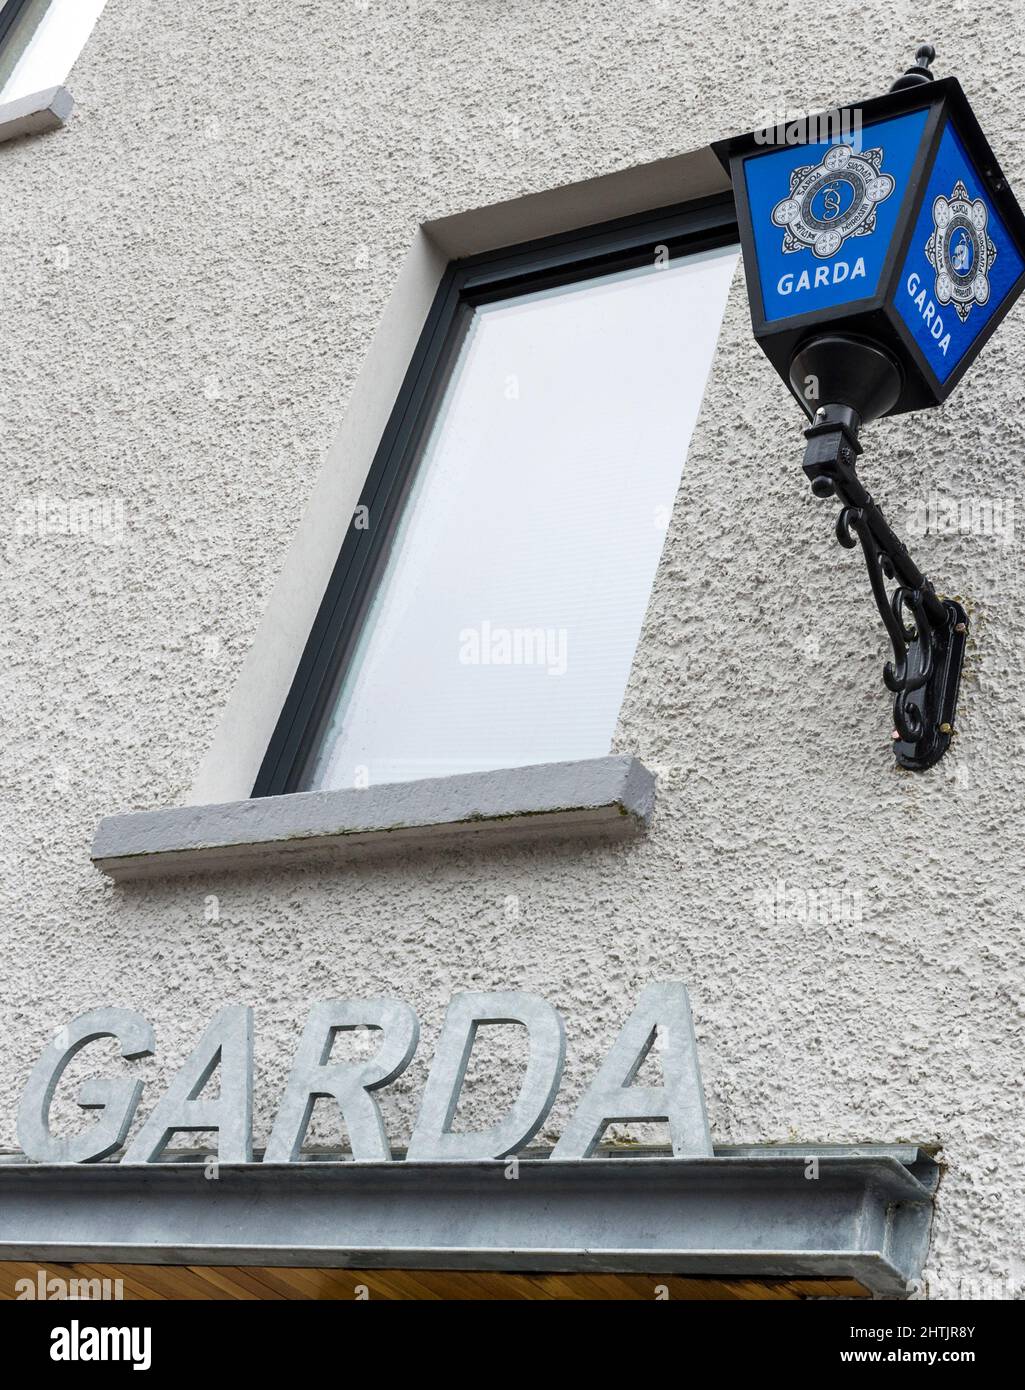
(612, 1098)
(228, 1043)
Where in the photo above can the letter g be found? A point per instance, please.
(117, 1099)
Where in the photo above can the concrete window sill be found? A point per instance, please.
(602, 798)
(34, 114)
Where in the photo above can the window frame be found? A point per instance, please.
(20, 21)
(10, 12)
(685, 229)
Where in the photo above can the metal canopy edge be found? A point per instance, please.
(859, 1215)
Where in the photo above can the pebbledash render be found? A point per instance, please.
(218, 263)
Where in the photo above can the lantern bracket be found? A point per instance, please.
(927, 632)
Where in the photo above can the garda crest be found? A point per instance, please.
(832, 201)
(960, 250)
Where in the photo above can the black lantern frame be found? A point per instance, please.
(863, 362)
(876, 317)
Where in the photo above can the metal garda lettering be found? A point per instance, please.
(662, 1013)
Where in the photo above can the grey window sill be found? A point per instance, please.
(31, 115)
(603, 798)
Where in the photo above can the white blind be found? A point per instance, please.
(503, 630)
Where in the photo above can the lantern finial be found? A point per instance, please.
(919, 70)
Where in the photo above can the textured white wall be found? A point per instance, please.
(191, 274)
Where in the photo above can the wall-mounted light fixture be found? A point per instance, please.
(882, 247)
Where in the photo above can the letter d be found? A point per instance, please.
(432, 1137)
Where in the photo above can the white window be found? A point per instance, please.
(40, 41)
(500, 616)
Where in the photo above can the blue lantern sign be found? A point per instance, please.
(823, 218)
(963, 268)
(882, 247)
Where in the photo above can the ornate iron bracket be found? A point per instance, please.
(928, 633)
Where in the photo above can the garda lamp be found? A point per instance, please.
(882, 247)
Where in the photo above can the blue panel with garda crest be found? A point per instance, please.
(823, 215)
(961, 262)
(888, 222)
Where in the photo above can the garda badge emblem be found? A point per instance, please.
(960, 250)
(832, 201)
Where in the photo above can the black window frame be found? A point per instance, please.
(10, 13)
(684, 229)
